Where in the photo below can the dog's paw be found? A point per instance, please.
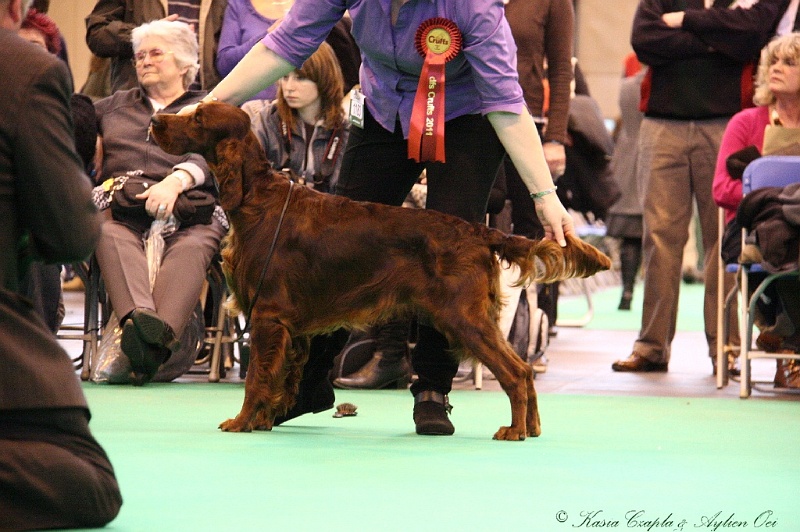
(534, 430)
(263, 421)
(509, 434)
(232, 425)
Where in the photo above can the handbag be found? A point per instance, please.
(192, 206)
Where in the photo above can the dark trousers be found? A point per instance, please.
(42, 285)
(526, 223)
(53, 473)
(376, 168)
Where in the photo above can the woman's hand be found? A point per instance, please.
(674, 19)
(160, 198)
(554, 217)
(189, 109)
(556, 158)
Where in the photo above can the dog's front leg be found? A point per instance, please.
(264, 385)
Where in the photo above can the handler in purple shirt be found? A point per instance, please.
(484, 118)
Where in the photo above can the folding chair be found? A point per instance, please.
(94, 316)
(223, 332)
(726, 304)
(771, 171)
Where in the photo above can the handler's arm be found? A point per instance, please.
(517, 132)
(258, 69)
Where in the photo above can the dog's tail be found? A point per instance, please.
(577, 259)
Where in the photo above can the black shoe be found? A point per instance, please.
(145, 357)
(319, 399)
(431, 411)
(376, 374)
(733, 364)
(153, 330)
(639, 364)
(625, 301)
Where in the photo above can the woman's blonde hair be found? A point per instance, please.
(783, 47)
(181, 40)
(323, 69)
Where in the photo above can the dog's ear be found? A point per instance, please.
(229, 170)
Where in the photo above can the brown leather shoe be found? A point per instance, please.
(636, 363)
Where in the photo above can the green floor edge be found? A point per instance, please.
(599, 459)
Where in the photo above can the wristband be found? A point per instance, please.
(542, 193)
(183, 178)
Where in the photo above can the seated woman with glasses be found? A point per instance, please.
(152, 321)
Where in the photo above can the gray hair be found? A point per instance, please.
(783, 47)
(181, 39)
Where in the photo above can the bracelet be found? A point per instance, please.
(542, 193)
(554, 142)
(210, 98)
(183, 178)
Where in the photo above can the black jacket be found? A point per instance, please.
(703, 69)
(47, 215)
(771, 216)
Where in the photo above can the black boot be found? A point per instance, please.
(431, 411)
(389, 365)
(630, 258)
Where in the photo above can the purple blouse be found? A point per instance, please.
(242, 28)
(480, 79)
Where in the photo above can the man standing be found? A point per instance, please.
(701, 55)
(53, 473)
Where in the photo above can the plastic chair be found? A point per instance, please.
(771, 171)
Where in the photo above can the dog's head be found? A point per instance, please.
(200, 131)
(221, 134)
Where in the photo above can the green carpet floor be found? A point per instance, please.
(678, 460)
(607, 317)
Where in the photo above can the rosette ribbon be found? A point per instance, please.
(438, 40)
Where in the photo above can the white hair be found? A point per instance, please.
(181, 39)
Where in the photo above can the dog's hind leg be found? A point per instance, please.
(266, 374)
(481, 338)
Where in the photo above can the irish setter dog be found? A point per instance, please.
(341, 263)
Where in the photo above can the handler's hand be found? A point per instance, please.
(554, 217)
(189, 109)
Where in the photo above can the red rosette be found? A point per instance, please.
(440, 36)
(438, 40)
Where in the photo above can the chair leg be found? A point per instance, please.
(722, 363)
(213, 373)
(745, 335)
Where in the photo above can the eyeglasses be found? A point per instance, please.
(156, 55)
